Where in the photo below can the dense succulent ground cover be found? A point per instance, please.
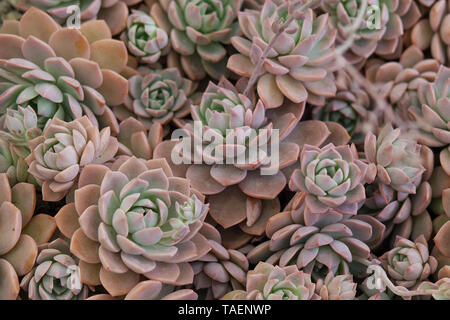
(98, 99)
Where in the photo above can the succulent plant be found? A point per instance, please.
(156, 290)
(158, 97)
(403, 15)
(332, 178)
(396, 157)
(432, 32)
(135, 218)
(350, 107)
(62, 72)
(431, 117)
(369, 30)
(55, 276)
(199, 31)
(59, 155)
(20, 234)
(220, 270)
(268, 282)
(317, 243)
(339, 287)
(409, 262)
(299, 63)
(144, 39)
(399, 82)
(13, 165)
(21, 127)
(442, 287)
(114, 12)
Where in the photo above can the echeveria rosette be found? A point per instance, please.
(432, 115)
(13, 164)
(21, 127)
(114, 12)
(199, 32)
(343, 15)
(397, 159)
(21, 232)
(268, 282)
(298, 65)
(58, 156)
(55, 276)
(332, 178)
(144, 39)
(409, 263)
(317, 243)
(135, 219)
(432, 31)
(220, 270)
(62, 73)
(350, 107)
(339, 287)
(158, 97)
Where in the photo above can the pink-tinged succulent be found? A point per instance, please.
(332, 178)
(62, 72)
(339, 287)
(114, 12)
(370, 30)
(432, 32)
(220, 270)
(317, 243)
(403, 15)
(21, 127)
(13, 165)
(397, 159)
(158, 97)
(268, 282)
(401, 192)
(144, 39)
(199, 31)
(58, 156)
(136, 140)
(409, 262)
(20, 234)
(55, 276)
(350, 107)
(431, 116)
(134, 219)
(299, 63)
(399, 82)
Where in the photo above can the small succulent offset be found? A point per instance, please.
(339, 287)
(56, 275)
(300, 56)
(268, 282)
(332, 177)
(144, 39)
(409, 262)
(158, 97)
(199, 31)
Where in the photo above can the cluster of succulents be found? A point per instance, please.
(224, 149)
